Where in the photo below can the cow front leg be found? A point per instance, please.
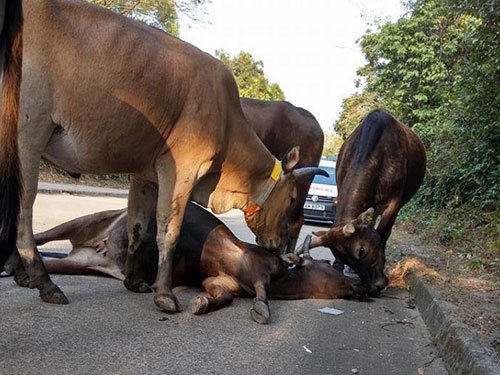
(174, 189)
(141, 203)
(216, 296)
(260, 309)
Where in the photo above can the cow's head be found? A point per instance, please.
(305, 277)
(359, 245)
(266, 220)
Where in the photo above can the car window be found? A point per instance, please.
(318, 179)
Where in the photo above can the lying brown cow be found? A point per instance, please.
(281, 126)
(380, 165)
(207, 253)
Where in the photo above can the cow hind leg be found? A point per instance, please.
(216, 296)
(141, 204)
(31, 259)
(14, 266)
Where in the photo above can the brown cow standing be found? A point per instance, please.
(207, 253)
(102, 94)
(281, 126)
(380, 165)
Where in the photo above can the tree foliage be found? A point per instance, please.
(437, 70)
(159, 13)
(249, 74)
(332, 144)
(354, 109)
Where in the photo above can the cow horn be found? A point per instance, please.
(304, 249)
(308, 172)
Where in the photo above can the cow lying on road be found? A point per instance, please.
(207, 253)
(380, 165)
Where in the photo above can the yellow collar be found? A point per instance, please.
(266, 190)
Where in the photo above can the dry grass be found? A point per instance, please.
(475, 293)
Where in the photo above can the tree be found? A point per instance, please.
(354, 110)
(159, 13)
(332, 144)
(437, 70)
(249, 74)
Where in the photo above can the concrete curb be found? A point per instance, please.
(457, 342)
(75, 189)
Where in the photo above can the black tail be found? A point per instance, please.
(372, 128)
(10, 180)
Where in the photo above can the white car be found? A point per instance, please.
(321, 201)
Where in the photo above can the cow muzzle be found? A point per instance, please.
(377, 287)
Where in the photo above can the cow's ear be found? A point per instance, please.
(365, 217)
(348, 230)
(291, 159)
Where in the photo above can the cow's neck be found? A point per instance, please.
(355, 197)
(245, 171)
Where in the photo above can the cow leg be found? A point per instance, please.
(175, 184)
(216, 296)
(388, 218)
(14, 266)
(260, 308)
(31, 259)
(84, 261)
(141, 204)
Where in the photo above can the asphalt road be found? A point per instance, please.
(107, 330)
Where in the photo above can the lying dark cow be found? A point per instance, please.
(281, 126)
(207, 253)
(380, 165)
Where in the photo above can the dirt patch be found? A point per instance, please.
(476, 293)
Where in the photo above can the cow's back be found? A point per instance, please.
(281, 126)
(93, 71)
(382, 159)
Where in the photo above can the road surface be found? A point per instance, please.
(108, 330)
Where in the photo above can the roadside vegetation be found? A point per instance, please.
(437, 70)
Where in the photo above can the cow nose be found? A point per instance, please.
(381, 283)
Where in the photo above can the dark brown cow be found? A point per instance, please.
(380, 165)
(281, 126)
(11, 24)
(207, 253)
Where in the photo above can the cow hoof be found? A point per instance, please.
(260, 312)
(358, 291)
(22, 279)
(199, 305)
(52, 294)
(138, 286)
(167, 303)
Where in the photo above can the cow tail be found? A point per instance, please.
(10, 179)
